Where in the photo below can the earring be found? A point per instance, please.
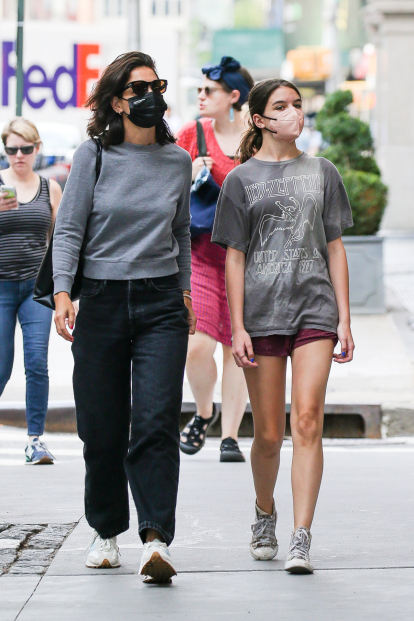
(231, 117)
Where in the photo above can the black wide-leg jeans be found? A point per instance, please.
(130, 334)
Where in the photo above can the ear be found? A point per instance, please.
(258, 121)
(235, 96)
(39, 147)
(116, 105)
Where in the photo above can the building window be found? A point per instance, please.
(166, 7)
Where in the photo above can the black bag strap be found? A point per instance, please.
(201, 140)
(98, 164)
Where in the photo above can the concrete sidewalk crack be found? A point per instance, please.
(241, 571)
(28, 599)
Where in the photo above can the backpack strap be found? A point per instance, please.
(201, 140)
(98, 164)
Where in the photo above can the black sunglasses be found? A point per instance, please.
(140, 87)
(209, 90)
(25, 150)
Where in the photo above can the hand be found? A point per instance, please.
(242, 350)
(6, 204)
(347, 344)
(198, 164)
(192, 319)
(64, 315)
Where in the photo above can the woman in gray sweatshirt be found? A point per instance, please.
(130, 229)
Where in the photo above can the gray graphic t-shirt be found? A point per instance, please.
(282, 215)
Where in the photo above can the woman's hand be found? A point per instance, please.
(347, 344)
(198, 164)
(6, 204)
(242, 350)
(64, 315)
(192, 319)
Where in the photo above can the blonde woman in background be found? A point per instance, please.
(26, 220)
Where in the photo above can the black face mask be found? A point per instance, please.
(146, 111)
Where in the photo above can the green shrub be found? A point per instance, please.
(368, 197)
(351, 149)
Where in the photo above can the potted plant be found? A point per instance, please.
(351, 149)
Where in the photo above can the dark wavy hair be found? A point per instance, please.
(105, 122)
(252, 139)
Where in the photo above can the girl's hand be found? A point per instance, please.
(192, 319)
(198, 164)
(6, 204)
(347, 344)
(64, 315)
(242, 350)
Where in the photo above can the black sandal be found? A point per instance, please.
(193, 436)
(230, 451)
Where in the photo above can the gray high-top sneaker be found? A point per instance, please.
(263, 546)
(297, 561)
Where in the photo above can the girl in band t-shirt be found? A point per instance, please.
(280, 216)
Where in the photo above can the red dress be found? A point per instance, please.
(208, 260)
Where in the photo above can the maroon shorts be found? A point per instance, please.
(284, 344)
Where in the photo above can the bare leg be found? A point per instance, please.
(267, 385)
(234, 396)
(202, 371)
(151, 534)
(311, 364)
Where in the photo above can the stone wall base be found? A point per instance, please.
(397, 422)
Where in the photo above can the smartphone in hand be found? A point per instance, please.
(9, 191)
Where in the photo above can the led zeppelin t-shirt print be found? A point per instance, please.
(282, 215)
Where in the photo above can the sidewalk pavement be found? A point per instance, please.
(362, 544)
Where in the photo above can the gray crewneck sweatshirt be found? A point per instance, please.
(134, 223)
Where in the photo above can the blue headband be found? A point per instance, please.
(227, 70)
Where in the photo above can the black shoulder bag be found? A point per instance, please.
(44, 286)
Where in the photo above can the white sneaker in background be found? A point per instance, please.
(298, 561)
(263, 546)
(102, 553)
(156, 563)
(37, 453)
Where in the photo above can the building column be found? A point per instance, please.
(391, 23)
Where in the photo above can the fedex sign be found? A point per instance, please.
(35, 77)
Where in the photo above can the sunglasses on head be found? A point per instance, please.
(25, 150)
(209, 90)
(140, 87)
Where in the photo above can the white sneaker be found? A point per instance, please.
(37, 453)
(263, 546)
(156, 563)
(102, 553)
(298, 561)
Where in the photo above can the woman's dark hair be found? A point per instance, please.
(247, 78)
(105, 122)
(252, 139)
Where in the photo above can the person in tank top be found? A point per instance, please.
(26, 221)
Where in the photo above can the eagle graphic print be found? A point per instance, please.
(282, 215)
